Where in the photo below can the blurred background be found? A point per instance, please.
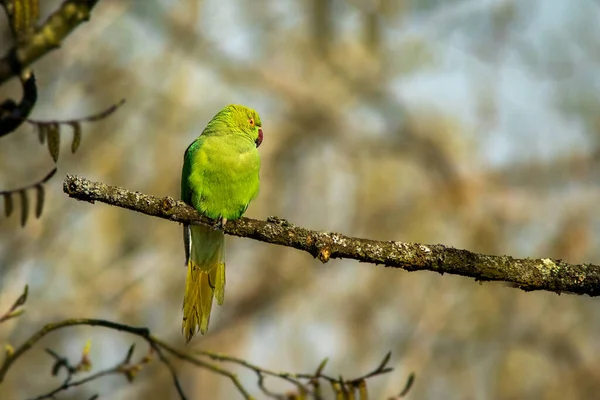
(472, 123)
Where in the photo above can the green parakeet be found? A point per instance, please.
(219, 179)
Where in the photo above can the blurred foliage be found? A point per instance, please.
(462, 122)
(23, 15)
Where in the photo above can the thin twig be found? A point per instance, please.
(125, 368)
(69, 384)
(29, 343)
(297, 379)
(14, 310)
(32, 185)
(88, 118)
(260, 372)
(130, 370)
(200, 363)
(144, 333)
(171, 369)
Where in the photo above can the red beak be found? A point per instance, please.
(259, 138)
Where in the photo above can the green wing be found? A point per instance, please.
(188, 156)
(186, 193)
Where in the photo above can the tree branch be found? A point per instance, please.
(47, 37)
(155, 344)
(12, 115)
(527, 274)
(303, 382)
(125, 367)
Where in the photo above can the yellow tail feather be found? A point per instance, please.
(205, 279)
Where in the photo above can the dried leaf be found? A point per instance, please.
(337, 389)
(24, 207)
(40, 192)
(8, 203)
(34, 11)
(17, 17)
(25, 14)
(76, 135)
(28, 14)
(53, 140)
(350, 394)
(42, 132)
(362, 390)
(39, 205)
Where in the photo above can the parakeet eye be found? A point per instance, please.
(251, 121)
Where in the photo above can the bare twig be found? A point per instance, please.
(303, 382)
(45, 179)
(203, 364)
(89, 118)
(69, 384)
(29, 343)
(172, 371)
(155, 343)
(15, 310)
(51, 130)
(261, 373)
(527, 274)
(125, 368)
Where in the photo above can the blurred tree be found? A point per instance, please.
(461, 122)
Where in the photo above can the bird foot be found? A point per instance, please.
(220, 223)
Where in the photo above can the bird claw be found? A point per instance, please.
(220, 223)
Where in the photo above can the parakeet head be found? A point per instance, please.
(240, 120)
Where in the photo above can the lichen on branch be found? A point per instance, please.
(526, 273)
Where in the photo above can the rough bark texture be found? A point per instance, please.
(527, 274)
(45, 38)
